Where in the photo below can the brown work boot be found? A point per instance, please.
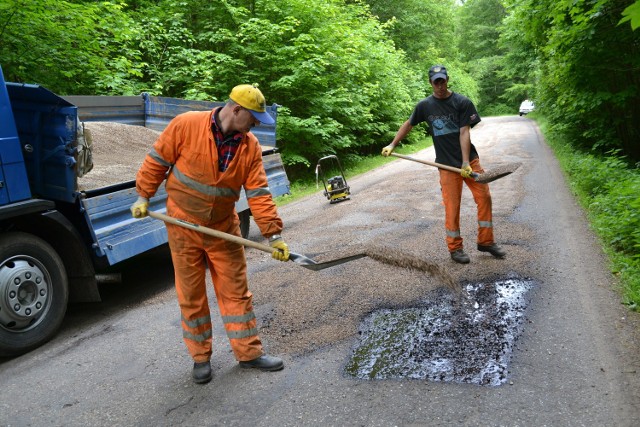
(201, 372)
(493, 249)
(264, 363)
(460, 257)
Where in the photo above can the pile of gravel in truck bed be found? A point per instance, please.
(118, 151)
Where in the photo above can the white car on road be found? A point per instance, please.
(526, 107)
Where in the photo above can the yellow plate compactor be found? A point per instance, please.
(336, 188)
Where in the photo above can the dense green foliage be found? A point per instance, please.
(587, 66)
(420, 35)
(479, 23)
(70, 47)
(581, 66)
(347, 73)
(426, 32)
(632, 14)
(343, 86)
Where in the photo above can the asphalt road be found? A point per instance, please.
(122, 362)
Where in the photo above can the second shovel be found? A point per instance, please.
(483, 178)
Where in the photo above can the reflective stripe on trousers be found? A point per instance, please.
(192, 252)
(451, 185)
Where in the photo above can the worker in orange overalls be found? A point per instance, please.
(209, 157)
(450, 117)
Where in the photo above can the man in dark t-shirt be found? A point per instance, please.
(450, 117)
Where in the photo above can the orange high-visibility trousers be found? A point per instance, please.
(451, 185)
(192, 252)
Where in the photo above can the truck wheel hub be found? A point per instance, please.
(24, 291)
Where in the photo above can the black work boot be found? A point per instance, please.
(460, 257)
(201, 372)
(264, 363)
(493, 249)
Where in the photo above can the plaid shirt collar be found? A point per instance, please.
(227, 144)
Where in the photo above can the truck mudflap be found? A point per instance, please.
(118, 236)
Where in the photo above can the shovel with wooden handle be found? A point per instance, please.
(297, 258)
(483, 178)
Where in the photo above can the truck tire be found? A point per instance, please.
(34, 291)
(245, 223)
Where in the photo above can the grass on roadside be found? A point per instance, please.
(608, 188)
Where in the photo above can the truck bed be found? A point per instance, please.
(118, 151)
(118, 236)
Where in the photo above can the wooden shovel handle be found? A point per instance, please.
(438, 165)
(211, 232)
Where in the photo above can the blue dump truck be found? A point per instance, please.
(56, 238)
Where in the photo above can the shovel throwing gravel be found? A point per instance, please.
(483, 178)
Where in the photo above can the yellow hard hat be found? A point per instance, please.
(250, 97)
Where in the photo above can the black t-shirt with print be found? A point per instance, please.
(444, 118)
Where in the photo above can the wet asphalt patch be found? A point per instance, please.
(462, 338)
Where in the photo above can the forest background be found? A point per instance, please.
(347, 74)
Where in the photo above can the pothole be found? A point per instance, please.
(463, 338)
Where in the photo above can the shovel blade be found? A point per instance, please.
(315, 266)
(482, 179)
(497, 173)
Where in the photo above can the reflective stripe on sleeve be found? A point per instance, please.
(155, 156)
(264, 191)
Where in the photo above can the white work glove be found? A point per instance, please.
(139, 208)
(281, 252)
(466, 170)
(386, 151)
